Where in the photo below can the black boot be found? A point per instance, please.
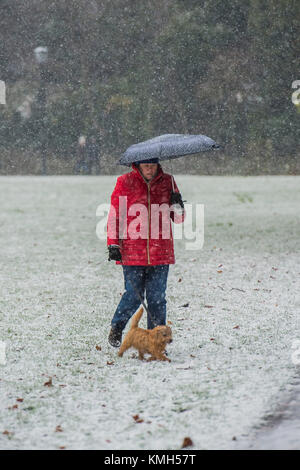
(115, 337)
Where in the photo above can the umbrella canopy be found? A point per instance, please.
(167, 147)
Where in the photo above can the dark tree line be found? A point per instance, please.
(127, 70)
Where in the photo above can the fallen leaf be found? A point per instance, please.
(110, 363)
(187, 442)
(58, 429)
(219, 271)
(7, 433)
(98, 348)
(137, 419)
(179, 280)
(185, 305)
(169, 322)
(49, 383)
(20, 400)
(236, 327)
(208, 306)
(212, 339)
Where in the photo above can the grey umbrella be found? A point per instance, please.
(167, 147)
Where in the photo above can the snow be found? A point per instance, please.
(231, 354)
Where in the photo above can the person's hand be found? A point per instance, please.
(176, 199)
(114, 253)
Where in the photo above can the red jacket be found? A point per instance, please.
(135, 223)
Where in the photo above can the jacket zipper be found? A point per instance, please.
(148, 248)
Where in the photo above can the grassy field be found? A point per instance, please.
(63, 386)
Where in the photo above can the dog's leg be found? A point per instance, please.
(164, 358)
(124, 346)
(141, 355)
(159, 357)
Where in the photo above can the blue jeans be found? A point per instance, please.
(139, 280)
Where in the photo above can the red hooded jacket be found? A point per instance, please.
(139, 220)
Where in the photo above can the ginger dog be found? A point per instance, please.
(147, 341)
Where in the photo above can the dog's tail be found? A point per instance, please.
(136, 318)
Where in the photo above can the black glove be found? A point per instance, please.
(176, 199)
(114, 253)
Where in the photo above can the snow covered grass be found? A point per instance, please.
(231, 354)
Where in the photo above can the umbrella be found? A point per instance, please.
(167, 147)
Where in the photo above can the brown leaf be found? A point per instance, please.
(49, 383)
(187, 442)
(20, 400)
(219, 271)
(169, 322)
(179, 280)
(208, 306)
(98, 348)
(7, 433)
(236, 327)
(137, 419)
(110, 363)
(58, 428)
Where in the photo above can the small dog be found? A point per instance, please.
(147, 341)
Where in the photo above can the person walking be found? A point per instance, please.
(93, 155)
(139, 237)
(81, 164)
